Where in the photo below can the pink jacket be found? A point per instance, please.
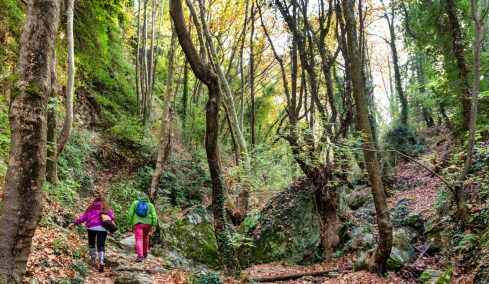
(92, 216)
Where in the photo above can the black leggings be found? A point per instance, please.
(101, 237)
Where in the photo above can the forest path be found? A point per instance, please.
(121, 266)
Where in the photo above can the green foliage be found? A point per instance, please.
(64, 193)
(403, 139)
(142, 181)
(120, 197)
(466, 242)
(207, 278)
(172, 188)
(78, 150)
(271, 170)
(60, 247)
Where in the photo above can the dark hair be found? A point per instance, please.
(104, 205)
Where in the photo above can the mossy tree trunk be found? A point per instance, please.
(23, 194)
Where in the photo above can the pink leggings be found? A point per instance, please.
(141, 233)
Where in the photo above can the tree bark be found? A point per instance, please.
(480, 30)
(229, 97)
(138, 78)
(68, 123)
(151, 64)
(52, 160)
(144, 64)
(378, 261)
(395, 60)
(165, 143)
(458, 51)
(205, 74)
(252, 79)
(23, 194)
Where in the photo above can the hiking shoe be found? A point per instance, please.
(101, 268)
(139, 259)
(145, 255)
(92, 261)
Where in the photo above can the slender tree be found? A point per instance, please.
(23, 194)
(395, 61)
(378, 261)
(138, 49)
(56, 147)
(165, 143)
(205, 74)
(252, 78)
(229, 97)
(479, 10)
(458, 48)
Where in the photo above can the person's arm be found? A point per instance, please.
(81, 219)
(130, 214)
(154, 218)
(111, 214)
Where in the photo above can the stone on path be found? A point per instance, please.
(128, 244)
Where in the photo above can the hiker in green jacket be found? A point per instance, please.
(142, 217)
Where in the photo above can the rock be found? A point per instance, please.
(435, 241)
(175, 260)
(129, 244)
(33, 281)
(366, 214)
(429, 276)
(133, 278)
(401, 212)
(111, 262)
(287, 229)
(360, 238)
(401, 246)
(357, 199)
(415, 221)
(192, 237)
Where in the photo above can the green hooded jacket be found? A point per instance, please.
(133, 218)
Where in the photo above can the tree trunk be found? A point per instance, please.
(165, 138)
(480, 29)
(241, 68)
(52, 160)
(144, 64)
(378, 261)
(138, 78)
(151, 63)
(185, 95)
(458, 51)
(252, 79)
(204, 73)
(23, 194)
(229, 97)
(68, 123)
(395, 60)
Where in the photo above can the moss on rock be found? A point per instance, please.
(193, 236)
(288, 228)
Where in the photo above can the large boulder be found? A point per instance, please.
(402, 252)
(357, 199)
(192, 236)
(287, 228)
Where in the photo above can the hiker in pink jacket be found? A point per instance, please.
(93, 223)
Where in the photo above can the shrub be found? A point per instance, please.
(402, 138)
(207, 278)
(120, 197)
